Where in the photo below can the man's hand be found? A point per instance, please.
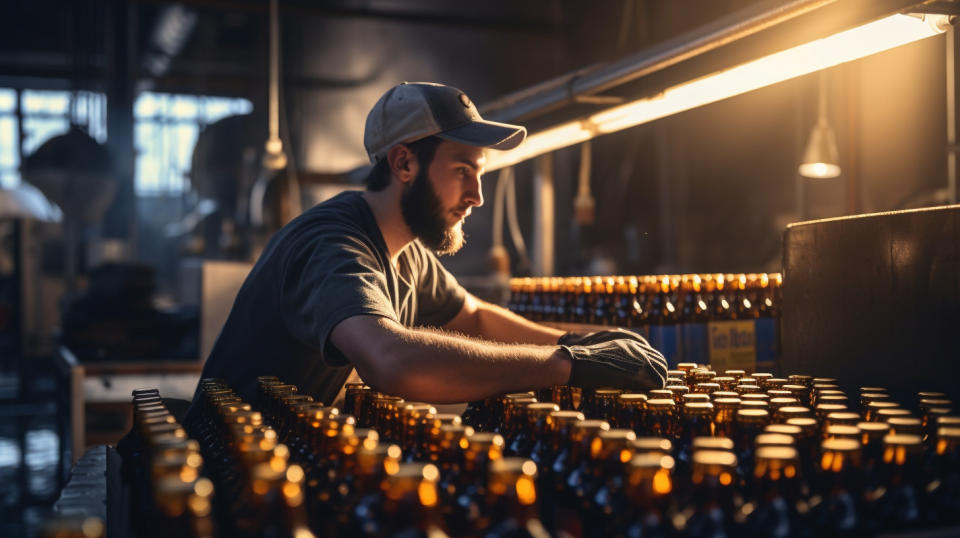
(623, 363)
(586, 339)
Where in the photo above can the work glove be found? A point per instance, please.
(630, 364)
(585, 339)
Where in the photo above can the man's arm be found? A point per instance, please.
(481, 319)
(435, 367)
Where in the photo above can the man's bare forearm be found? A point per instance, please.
(485, 320)
(442, 367)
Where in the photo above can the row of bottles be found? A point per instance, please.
(726, 320)
(712, 453)
(636, 301)
(169, 494)
(260, 490)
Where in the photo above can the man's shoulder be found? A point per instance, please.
(349, 202)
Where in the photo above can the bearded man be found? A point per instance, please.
(354, 282)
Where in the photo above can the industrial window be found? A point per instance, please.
(28, 118)
(166, 128)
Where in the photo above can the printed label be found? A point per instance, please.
(732, 345)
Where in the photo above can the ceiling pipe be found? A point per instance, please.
(583, 85)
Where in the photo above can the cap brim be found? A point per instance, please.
(487, 134)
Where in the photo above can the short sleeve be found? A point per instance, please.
(439, 296)
(327, 277)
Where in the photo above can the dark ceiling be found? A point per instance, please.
(219, 46)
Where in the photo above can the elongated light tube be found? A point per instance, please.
(871, 38)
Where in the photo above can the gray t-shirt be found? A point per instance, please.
(328, 264)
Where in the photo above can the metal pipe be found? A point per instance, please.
(566, 89)
(952, 87)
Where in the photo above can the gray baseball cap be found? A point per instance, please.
(413, 110)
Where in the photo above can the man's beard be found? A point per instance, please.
(425, 216)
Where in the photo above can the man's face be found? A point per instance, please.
(438, 200)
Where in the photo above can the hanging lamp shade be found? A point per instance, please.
(26, 202)
(821, 157)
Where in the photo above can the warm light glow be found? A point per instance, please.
(819, 170)
(726, 478)
(526, 490)
(662, 484)
(427, 492)
(295, 473)
(430, 472)
(203, 487)
(871, 38)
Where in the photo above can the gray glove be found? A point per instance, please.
(623, 363)
(585, 339)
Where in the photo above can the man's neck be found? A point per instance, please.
(385, 205)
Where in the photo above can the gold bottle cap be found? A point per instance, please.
(776, 462)
(842, 417)
(698, 409)
(784, 429)
(774, 439)
(652, 444)
(449, 419)
(905, 425)
(661, 405)
(753, 416)
(631, 399)
(712, 443)
(613, 443)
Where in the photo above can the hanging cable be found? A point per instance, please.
(583, 204)
(515, 234)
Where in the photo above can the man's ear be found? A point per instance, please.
(403, 163)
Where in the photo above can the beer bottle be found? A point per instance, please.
(561, 395)
(773, 508)
(649, 488)
(835, 506)
(566, 298)
(898, 505)
(604, 310)
(601, 404)
(749, 423)
(551, 454)
(725, 410)
(697, 422)
(602, 494)
(535, 428)
(349, 505)
(572, 465)
(632, 412)
(694, 315)
(511, 500)
(662, 419)
(410, 501)
(713, 499)
(552, 431)
(943, 499)
(416, 421)
(627, 307)
(470, 489)
(721, 302)
(515, 419)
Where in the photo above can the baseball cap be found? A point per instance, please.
(413, 110)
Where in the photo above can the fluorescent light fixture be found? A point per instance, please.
(871, 38)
